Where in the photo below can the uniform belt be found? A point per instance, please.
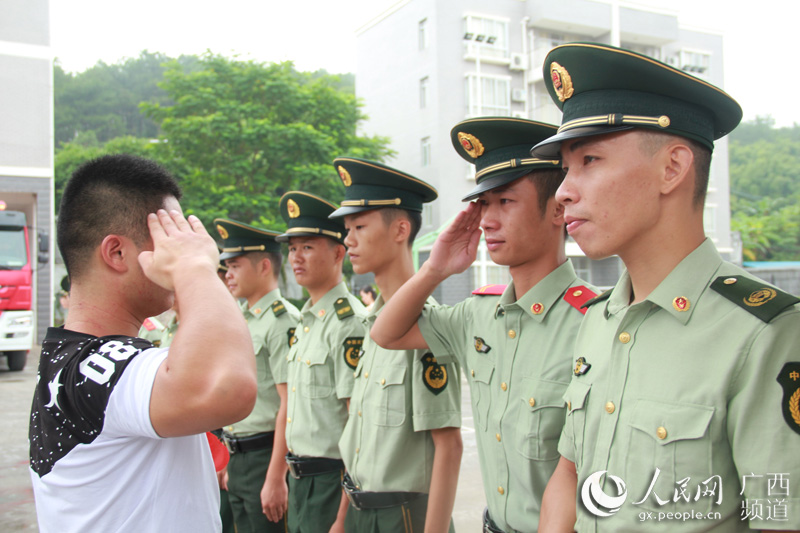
(312, 466)
(259, 441)
(488, 524)
(376, 500)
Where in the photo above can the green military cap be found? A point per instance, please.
(500, 147)
(371, 185)
(238, 239)
(306, 215)
(602, 89)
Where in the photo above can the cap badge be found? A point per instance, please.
(222, 231)
(562, 82)
(471, 144)
(681, 303)
(537, 308)
(760, 297)
(345, 175)
(292, 208)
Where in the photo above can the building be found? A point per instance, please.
(26, 136)
(425, 65)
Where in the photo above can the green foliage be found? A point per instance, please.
(765, 189)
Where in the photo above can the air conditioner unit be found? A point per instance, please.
(517, 62)
(518, 95)
(518, 114)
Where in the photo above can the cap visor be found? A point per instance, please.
(350, 210)
(229, 255)
(497, 181)
(550, 148)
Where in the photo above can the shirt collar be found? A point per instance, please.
(324, 307)
(543, 296)
(263, 304)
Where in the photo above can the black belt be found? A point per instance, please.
(259, 441)
(488, 524)
(312, 466)
(376, 500)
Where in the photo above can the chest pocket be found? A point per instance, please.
(315, 374)
(674, 438)
(576, 395)
(480, 389)
(541, 418)
(385, 403)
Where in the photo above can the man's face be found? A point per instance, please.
(313, 260)
(610, 193)
(368, 241)
(513, 226)
(242, 276)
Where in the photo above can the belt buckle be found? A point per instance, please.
(226, 440)
(349, 489)
(292, 470)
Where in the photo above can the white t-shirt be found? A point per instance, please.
(97, 464)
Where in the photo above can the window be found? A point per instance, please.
(427, 216)
(651, 51)
(695, 62)
(491, 97)
(425, 147)
(486, 272)
(423, 34)
(489, 37)
(583, 268)
(710, 220)
(423, 93)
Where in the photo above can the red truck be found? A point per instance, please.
(16, 276)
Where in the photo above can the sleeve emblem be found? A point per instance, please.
(434, 375)
(352, 350)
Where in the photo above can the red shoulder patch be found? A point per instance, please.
(148, 324)
(577, 296)
(490, 290)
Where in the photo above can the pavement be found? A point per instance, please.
(17, 511)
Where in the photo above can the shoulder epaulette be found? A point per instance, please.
(343, 308)
(600, 298)
(278, 308)
(578, 296)
(755, 296)
(490, 290)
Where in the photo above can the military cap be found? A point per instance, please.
(603, 89)
(238, 239)
(499, 147)
(371, 185)
(306, 215)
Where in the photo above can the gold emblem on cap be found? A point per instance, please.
(681, 303)
(345, 175)
(663, 121)
(760, 297)
(471, 144)
(292, 208)
(222, 231)
(562, 82)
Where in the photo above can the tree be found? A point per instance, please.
(245, 132)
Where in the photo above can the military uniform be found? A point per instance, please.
(271, 322)
(687, 401)
(517, 356)
(325, 351)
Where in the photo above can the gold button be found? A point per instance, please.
(729, 281)
(472, 372)
(569, 406)
(532, 402)
(663, 121)
(661, 433)
(610, 408)
(293, 389)
(624, 337)
(306, 329)
(355, 374)
(321, 313)
(503, 385)
(358, 449)
(288, 420)
(291, 450)
(577, 293)
(359, 413)
(512, 333)
(366, 375)
(498, 437)
(501, 490)
(383, 382)
(308, 362)
(256, 310)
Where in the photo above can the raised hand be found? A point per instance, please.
(456, 247)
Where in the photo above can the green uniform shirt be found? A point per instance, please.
(684, 382)
(330, 336)
(399, 396)
(168, 332)
(271, 322)
(518, 360)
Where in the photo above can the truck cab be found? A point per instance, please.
(16, 276)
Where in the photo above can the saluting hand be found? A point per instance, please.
(456, 247)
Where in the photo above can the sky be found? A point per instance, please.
(760, 59)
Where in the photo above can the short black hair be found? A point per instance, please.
(109, 195)
(275, 260)
(390, 214)
(546, 181)
(652, 141)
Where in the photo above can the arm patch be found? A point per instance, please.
(352, 351)
(434, 375)
(754, 296)
(343, 308)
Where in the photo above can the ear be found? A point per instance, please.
(556, 212)
(341, 251)
(678, 162)
(401, 229)
(114, 251)
(265, 266)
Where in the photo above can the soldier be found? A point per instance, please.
(256, 482)
(327, 346)
(402, 443)
(514, 342)
(684, 382)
